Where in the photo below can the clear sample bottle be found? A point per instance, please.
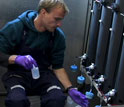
(35, 72)
(71, 103)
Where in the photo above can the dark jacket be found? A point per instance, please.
(11, 37)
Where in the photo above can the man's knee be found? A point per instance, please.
(17, 97)
(59, 97)
(55, 98)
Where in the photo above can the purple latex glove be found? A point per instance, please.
(78, 97)
(26, 61)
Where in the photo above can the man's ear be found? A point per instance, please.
(43, 11)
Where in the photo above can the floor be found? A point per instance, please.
(35, 100)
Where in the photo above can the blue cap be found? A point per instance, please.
(89, 95)
(74, 67)
(80, 79)
(98, 106)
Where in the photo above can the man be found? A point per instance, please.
(34, 38)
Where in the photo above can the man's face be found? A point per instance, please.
(53, 19)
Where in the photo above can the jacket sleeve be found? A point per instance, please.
(58, 50)
(4, 59)
(5, 44)
(8, 40)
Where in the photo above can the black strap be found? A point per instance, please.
(66, 91)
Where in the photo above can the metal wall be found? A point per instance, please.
(9, 10)
(73, 26)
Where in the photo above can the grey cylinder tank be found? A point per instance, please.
(119, 83)
(93, 34)
(103, 39)
(114, 46)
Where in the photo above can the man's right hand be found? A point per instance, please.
(26, 61)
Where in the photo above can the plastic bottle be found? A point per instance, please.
(35, 72)
(71, 103)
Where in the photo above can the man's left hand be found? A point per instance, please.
(78, 97)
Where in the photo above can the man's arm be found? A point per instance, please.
(26, 61)
(63, 77)
(11, 59)
(7, 59)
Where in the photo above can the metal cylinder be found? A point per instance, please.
(103, 39)
(119, 83)
(93, 34)
(114, 48)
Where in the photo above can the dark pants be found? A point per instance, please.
(17, 97)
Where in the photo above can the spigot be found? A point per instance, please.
(84, 56)
(115, 7)
(100, 79)
(104, 2)
(90, 69)
(83, 59)
(111, 93)
(99, 82)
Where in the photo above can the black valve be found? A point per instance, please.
(115, 7)
(84, 60)
(104, 2)
(90, 69)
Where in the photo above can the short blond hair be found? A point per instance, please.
(48, 5)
